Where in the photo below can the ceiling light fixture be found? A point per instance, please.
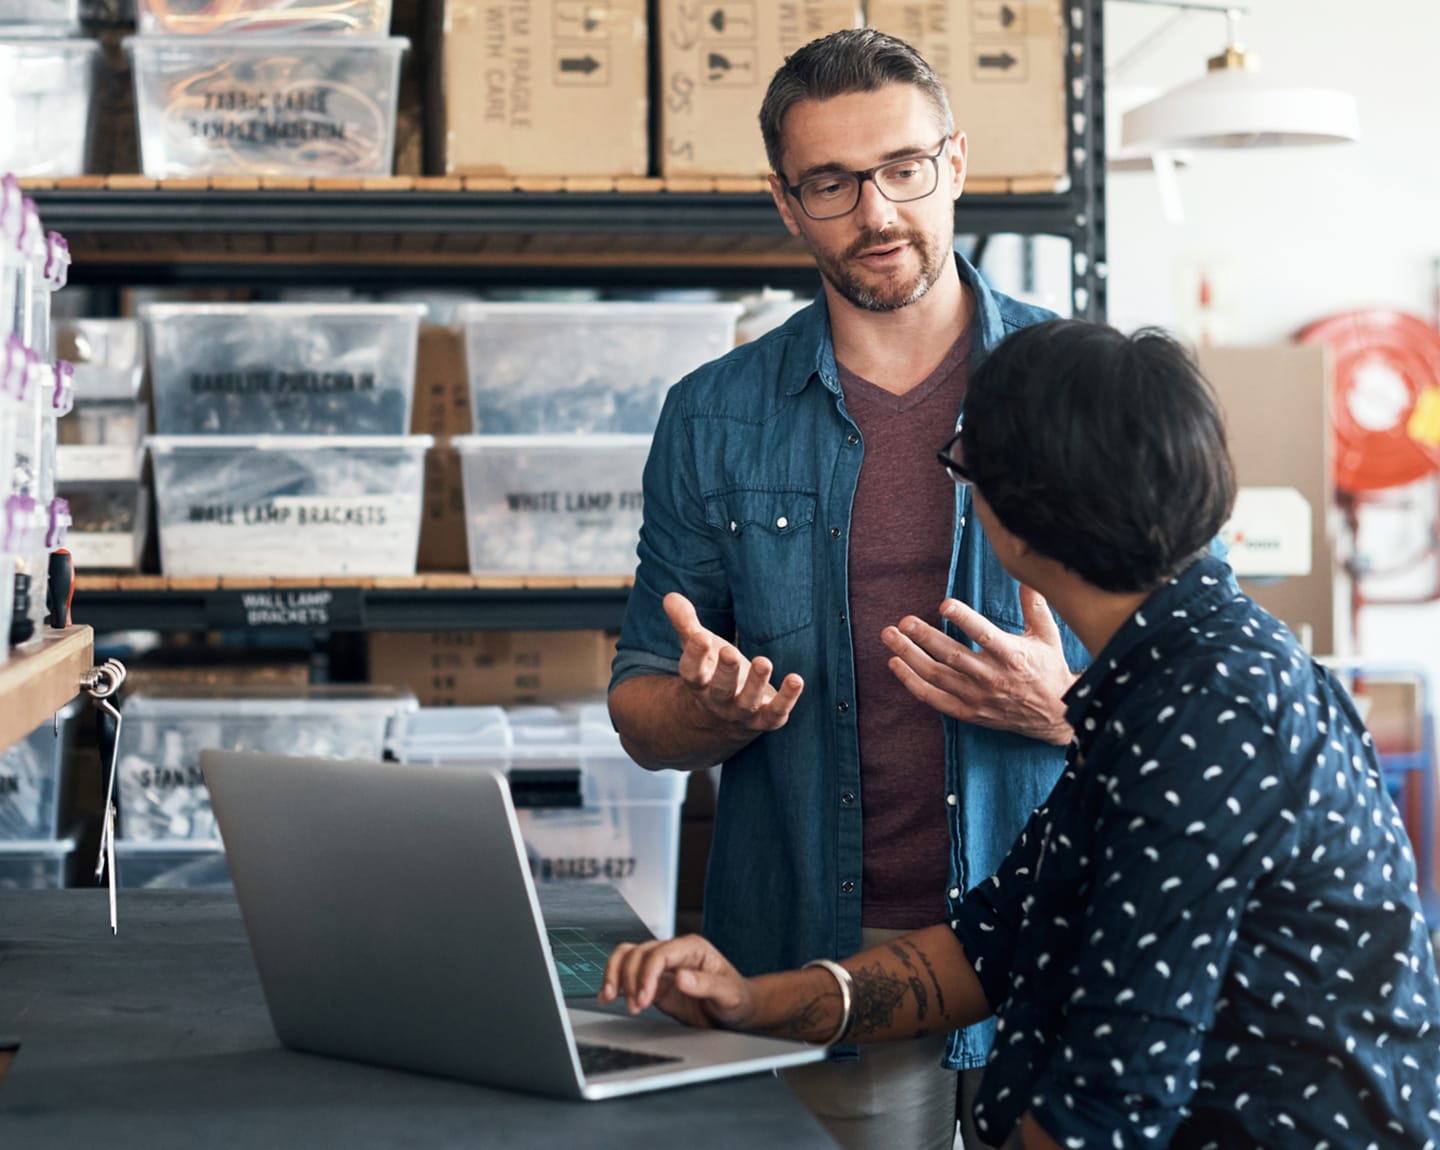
(1234, 106)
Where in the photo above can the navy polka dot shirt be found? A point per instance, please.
(1210, 935)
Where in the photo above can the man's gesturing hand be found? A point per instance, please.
(1012, 683)
(732, 691)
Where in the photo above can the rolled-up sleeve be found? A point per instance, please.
(677, 552)
(1185, 833)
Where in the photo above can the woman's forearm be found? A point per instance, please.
(915, 985)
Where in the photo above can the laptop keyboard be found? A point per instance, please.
(596, 1059)
(579, 960)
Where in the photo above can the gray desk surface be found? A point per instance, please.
(159, 1038)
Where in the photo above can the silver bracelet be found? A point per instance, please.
(847, 995)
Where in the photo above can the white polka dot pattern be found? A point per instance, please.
(1210, 935)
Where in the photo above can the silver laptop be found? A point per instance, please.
(393, 920)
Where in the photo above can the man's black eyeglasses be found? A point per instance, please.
(952, 458)
(834, 194)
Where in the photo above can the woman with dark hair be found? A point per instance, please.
(1210, 934)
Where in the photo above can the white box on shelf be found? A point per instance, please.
(45, 89)
(289, 505)
(264, 18)
(587, 811)
(161, 791)
(552, 504)
(548, 368)
(30, 779)
(254, 106)
(288, 369)
(36, 864)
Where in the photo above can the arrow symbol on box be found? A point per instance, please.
(1007, 15)
(1002, 61)
(585, 64)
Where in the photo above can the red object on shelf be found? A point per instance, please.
(1385, 365)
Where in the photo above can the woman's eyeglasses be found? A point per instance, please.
(952, 458)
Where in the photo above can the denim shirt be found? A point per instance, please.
(748, 492)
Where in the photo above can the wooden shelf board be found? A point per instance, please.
(41, 678)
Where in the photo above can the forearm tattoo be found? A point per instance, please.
(818, 1015)
(880, 993)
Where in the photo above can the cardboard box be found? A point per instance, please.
(716, 60)
(532, 88)
(1277, 411)
(1003, 64)
(477, 668)
(442, 409)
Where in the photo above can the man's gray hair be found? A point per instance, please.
(851, 60)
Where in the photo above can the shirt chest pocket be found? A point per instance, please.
(768, 538)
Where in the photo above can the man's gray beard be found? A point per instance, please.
(868, 298)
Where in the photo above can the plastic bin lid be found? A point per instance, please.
(659, 311)
(208, 45)
(168, 846)
(265, 701)
(575, 441)
(301, 310)
(513, 734)
(54, 848)
(161, 444)
(49, 45)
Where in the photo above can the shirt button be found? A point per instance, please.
(962, 521)
(734, 526)
(954, 892)
(842, 618)
(848, 886)
(834, 533)
(842, 706)
(954, 924)
(847, 799)
(852, 439)
(782, 523)
(951, 800)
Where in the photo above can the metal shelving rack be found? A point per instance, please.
(450, 231)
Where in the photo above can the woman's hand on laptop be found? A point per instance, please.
(685, 977)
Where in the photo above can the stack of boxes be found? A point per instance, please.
(47, 76)
(564, 399)
(281, 446)
(100, 460)
(32, 853)
(266, 88)
(167, 835)
(34, 394)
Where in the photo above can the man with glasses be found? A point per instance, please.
(790, 502)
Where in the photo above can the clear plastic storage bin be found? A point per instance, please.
(287, 369)
(45, 88)
(30, 777)
(546, 368)
(251, 106)
(108, 356)
(289, 506)
(552, 505)
(48, 18)
(262, 17)
(108, 522)
(171, 865)
(162, 794)
(37, 864)
(587, 811)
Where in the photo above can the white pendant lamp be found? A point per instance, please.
(1234, 106)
